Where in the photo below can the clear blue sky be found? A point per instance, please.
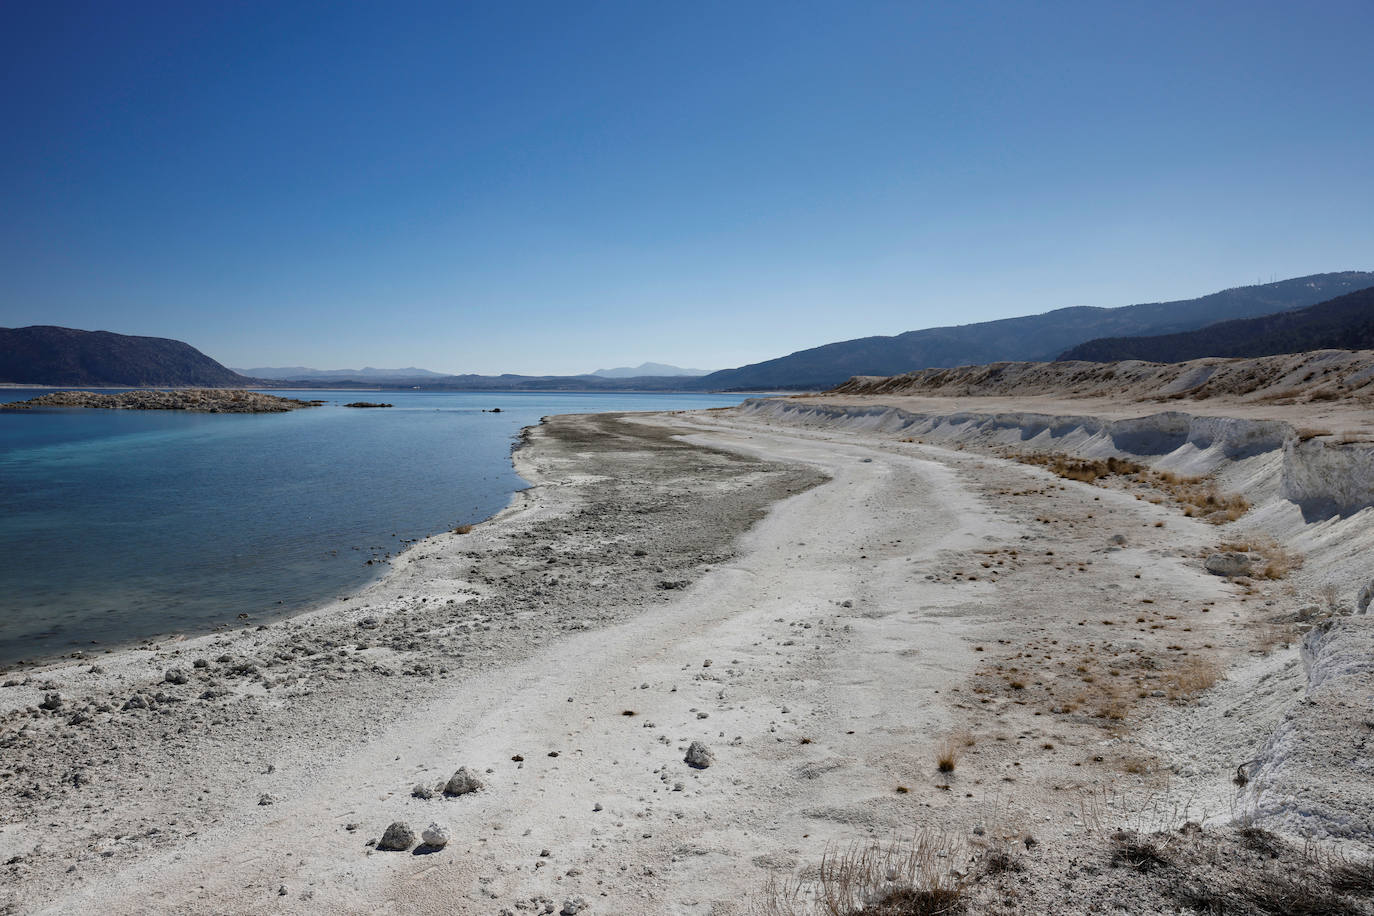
(557, 187)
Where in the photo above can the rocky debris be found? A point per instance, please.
(435, 836)
(1365, 597)
(422, 791)
(51, 701)
(1229, 563)
(672, 584)
(699, 756)
(199, 400)
(1117, 539)
(462, 782)
(574, 905)
(138, 701)
(398, 837)
(176, 676)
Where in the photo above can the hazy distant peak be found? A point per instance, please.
(302, 372)
(659, 369)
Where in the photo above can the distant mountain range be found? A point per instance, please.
(48, 355)
(301, 372)
(1031, 338)
(1343, 323)
(659, 370)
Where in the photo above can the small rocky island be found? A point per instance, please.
(366, 404)
(200, 400)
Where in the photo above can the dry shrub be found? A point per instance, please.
(1198, 496)
(1138, 765)
(1085, 470)
(916, 878)
(1270, 636)
(950, 749)
(463, 529)
(1193, 676)
(1276, 561)
(1307, 432)
(1140, 853)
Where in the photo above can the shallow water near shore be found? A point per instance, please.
(121, 525)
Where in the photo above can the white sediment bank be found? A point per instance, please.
(1311, 493)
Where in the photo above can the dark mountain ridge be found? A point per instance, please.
(1343, 323)
(49, 355)
(1030, 338)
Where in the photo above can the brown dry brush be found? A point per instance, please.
(1198, 496)
(1279, 880)
(912, 878)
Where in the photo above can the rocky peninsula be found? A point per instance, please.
(199, 400)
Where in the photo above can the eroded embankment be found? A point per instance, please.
(1315, 376)
(1311, 493)
(1322, 476)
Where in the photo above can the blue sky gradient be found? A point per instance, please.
(557, 187)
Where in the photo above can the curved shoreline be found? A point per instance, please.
(680, 578)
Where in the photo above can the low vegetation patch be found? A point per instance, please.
(915, 878)
(1275, 560)
(1228, 871)
(1199, 497)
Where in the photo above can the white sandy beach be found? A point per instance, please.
(823, 621)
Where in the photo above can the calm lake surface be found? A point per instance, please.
(118, 525)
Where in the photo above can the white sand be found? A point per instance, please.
(919, 593)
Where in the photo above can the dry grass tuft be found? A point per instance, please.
(916, 878)
(1140, 853)
(463, 529)
(950, 750)
(1193, 676)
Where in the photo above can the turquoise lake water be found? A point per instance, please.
(119, 525)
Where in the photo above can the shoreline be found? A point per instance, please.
(823, 607)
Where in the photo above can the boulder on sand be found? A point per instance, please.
(1229, 563)
(398, 837)
(462, 782)
(435, 836)
(699, 756)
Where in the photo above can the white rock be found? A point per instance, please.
(435, 835)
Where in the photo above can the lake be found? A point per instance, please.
(120, 525)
